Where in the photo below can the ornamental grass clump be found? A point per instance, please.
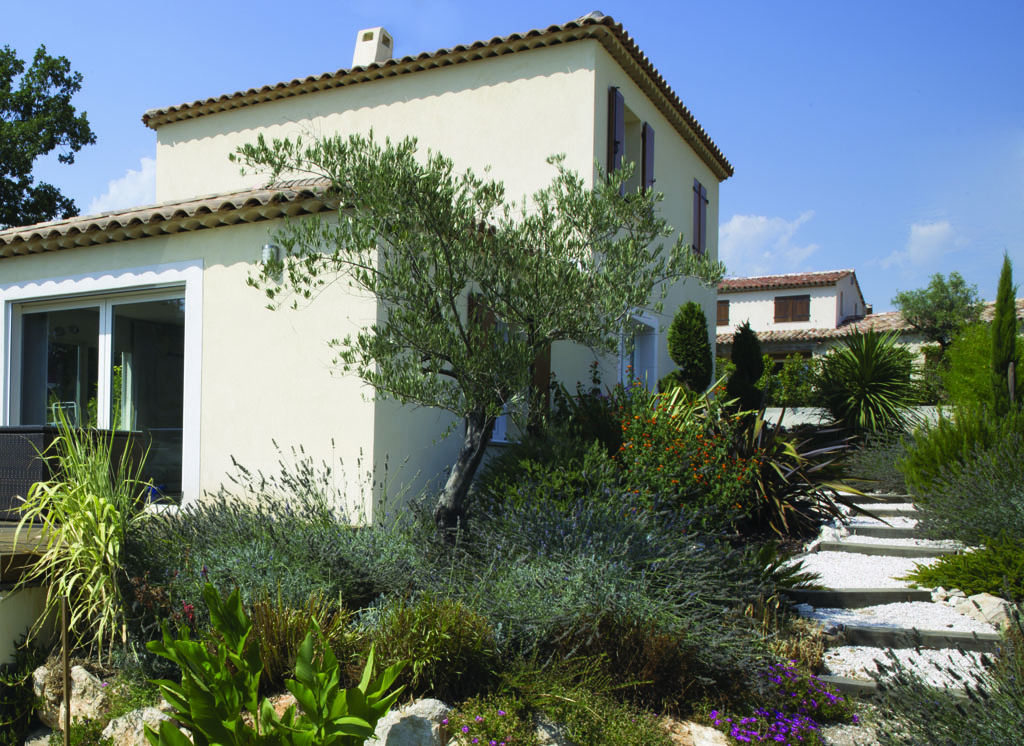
(85, 515)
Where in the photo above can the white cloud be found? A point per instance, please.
(131, 190)
(926, 243)
(756, 244)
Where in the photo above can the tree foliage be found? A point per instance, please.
(746, 356)
(37, 118)
(689, 348)
(572, 264)
(942, 309)
(1004, 339)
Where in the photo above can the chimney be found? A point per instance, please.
(868, 309)
(372, 45)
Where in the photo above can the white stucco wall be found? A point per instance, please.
(758, 307)
(509, 112)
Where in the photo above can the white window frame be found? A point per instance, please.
(105, 289)
(640, 322)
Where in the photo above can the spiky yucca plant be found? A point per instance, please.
(865, 383)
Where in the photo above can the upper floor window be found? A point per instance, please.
(723, 313)
(700, 217)
(629, 140)
(792, 308)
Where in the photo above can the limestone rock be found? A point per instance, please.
(418, 724)
(551, 734)
(688, 733)
(129, 730)
(986, 608)
(88, 697)
(39, 737)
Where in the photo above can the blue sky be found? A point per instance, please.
(883, 136)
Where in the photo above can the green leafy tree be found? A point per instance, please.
(1004, 340)
(794, 383)
(689, 348)
(446, 255)
(746, 356)
(36, 118)
(942, 309)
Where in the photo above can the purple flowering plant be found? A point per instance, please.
(491, 721)
(796, 707)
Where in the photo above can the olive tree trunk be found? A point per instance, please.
(449, 513)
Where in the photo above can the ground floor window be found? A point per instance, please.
(639, 354)
(113, 363)
(111, 354)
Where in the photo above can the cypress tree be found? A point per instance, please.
(689, 348)
(746, 355)
(1004, 338)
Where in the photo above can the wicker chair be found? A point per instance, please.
(21, 466)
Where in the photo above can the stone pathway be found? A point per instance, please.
(867, 610)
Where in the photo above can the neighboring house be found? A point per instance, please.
(141, 319)
(792, 313)
(808, 313)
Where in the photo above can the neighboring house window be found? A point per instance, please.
(792, 308)
(723, 313)
(700, 217)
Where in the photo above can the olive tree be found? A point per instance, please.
(445, 254)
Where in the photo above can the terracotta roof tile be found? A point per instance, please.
(212, 211)
(595, 26)
(886, 321)
(772, 282)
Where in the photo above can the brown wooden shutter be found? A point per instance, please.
(700, 217)
(616, 130)
(647, 164)
(801, 308)
(723, 313)
(782, 308)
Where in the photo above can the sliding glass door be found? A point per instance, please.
(114, 363)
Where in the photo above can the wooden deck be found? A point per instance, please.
(16, 558)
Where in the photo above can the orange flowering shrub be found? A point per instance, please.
(674, 457)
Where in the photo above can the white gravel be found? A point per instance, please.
(855, 662)
(850, 570)
(922, 615)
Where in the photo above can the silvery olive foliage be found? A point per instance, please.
(473, 286)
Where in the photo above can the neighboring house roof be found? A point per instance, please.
(779, 282)
(886, 321)
(293, 198)
(602, 28)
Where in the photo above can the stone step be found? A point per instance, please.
(885, 550)
(884, 532)
(868, 500)
(895, 637)
(855, 598)
(884, 511)
(867, 689)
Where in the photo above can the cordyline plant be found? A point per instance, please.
(83, 518)
(472, 288)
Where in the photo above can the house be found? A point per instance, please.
(142, 319)
(792, 313)
(808, 313)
